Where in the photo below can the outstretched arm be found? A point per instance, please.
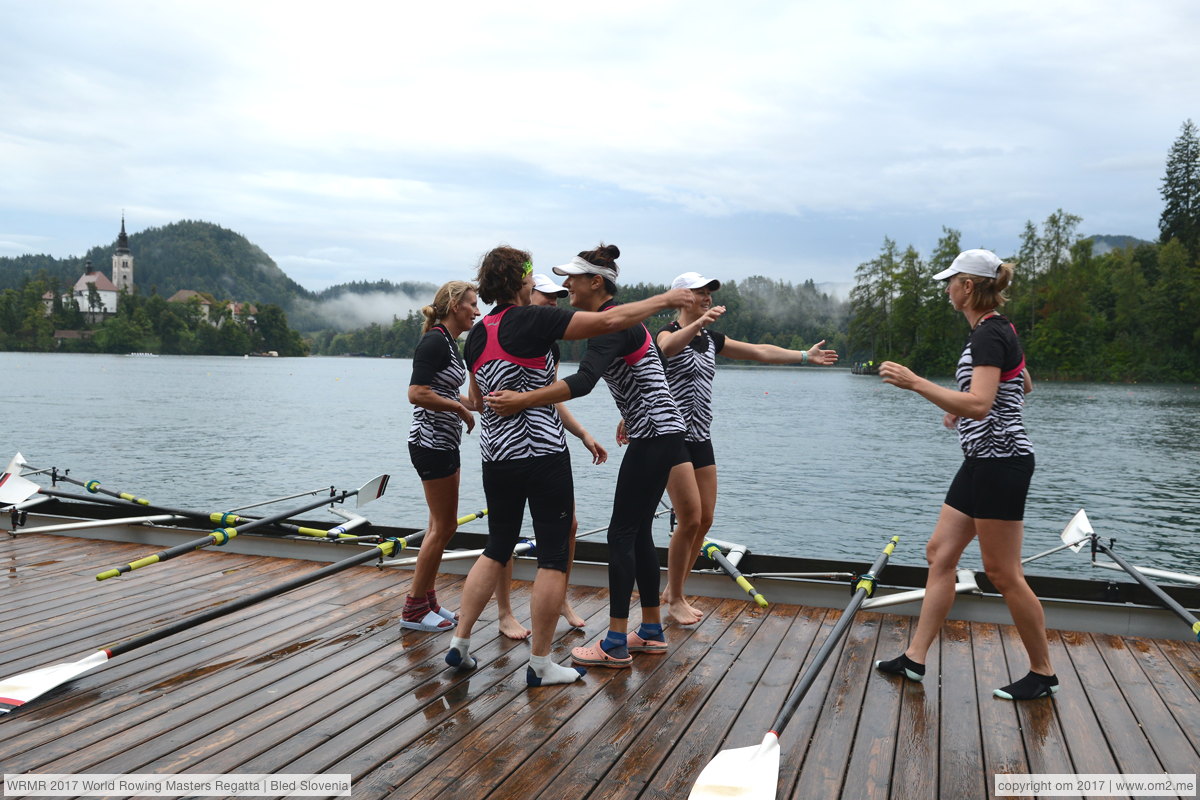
(974, 404)
(672, 342)
(586, 324)
(771, 354)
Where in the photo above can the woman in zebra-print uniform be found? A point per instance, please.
(439, 412)
(690, 348)
(630, 365)
(987, 497)
(525, 457)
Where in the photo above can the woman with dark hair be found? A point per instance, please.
(630, 365)
(690, 348)
(547, 293)
(986, 499)
(439, 412)
(525, 457)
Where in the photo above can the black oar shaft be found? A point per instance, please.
(1163, 597)
(219, 537)
(831, 641)
(249, 600)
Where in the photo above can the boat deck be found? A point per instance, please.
(323, 680)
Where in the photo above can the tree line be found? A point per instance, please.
(758, 309)
(142, 324)
(1132, 314)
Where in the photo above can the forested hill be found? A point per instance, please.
(207, 258)
(183, 255)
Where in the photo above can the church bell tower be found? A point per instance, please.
(122, 262)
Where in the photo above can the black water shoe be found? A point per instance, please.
(1031, 687)
(902, 666)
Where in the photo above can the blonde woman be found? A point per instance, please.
(986, 499)
(439, 412)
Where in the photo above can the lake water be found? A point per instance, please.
(813, 462)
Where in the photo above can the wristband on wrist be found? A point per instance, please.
(803, 356)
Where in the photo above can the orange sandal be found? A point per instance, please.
(637, 644)
(595, 656)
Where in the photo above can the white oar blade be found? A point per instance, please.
(14, 488)
(751, 773)
(372, 490)
(15, 465)
(1077, 531)
(20, 689)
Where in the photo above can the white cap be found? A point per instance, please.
(543, 284)
(983, 263)
(579, 266)
(694, 280)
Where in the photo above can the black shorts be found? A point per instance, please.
(992, 488)
(545, 483)
(432, 464)
(701, 453)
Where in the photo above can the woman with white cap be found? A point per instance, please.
(986, 499)
(690, 349)
(630, 365)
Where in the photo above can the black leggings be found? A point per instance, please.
(640, 484)
(546, 483)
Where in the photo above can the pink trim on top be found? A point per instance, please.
(493, 351)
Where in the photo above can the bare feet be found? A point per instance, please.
(568, 613)
(682, 612)
(511, 628)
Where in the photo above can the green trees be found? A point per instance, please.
(1181, 191)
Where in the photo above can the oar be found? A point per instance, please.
(714, 553)
(18, 690)
(753, 772)
(369, 491)
(13, 487)
(1097, 546)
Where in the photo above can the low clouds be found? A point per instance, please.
(400, 142)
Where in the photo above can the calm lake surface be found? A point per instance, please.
(812, 462)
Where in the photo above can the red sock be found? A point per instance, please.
(414, 609)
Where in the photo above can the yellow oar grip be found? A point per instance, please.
(143, 562)
(311, 531)
(1196, 630)
(891, 545)
(388, 547)
(112, 573)
(141, 501)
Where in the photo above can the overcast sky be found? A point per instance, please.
(400, 141)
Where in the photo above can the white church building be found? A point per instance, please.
(108, 292)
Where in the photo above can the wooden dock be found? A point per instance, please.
(323, 680)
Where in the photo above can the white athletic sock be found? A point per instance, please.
(459, 655)
(544, 672)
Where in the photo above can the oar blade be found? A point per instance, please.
(372, 490)
(749, 773)
(18, 690)
(14, 488)
(1077, 531)
(15, 465)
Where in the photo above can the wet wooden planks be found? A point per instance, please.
(323, 680)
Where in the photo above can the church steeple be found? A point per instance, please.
(122, 239)
(122, 262)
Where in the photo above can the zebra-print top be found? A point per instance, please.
(1001, 433)
(438, 365)
(690, 374)
(630, 365)
(529, 331)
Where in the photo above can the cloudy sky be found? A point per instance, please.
(366, 141)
